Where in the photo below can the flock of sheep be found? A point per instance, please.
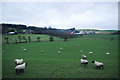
(97, 64)
(20, 65)
(84, 62)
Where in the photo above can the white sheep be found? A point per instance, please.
(107, 53)
(84, 56)
(42, 51)
(81, 51)
(24, 49)
(98, 65)
(61, 49)
(90, 52)
(19, 61)
(59, 52)
(83, 61)
(20, 68)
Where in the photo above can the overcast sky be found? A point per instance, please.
(64, 15)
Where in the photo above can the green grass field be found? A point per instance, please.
(50, 64)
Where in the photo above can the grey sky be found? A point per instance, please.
(81, 15)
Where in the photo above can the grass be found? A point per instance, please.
(65, 65)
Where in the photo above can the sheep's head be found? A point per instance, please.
(93, 61)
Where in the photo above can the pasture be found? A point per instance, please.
(67, 64)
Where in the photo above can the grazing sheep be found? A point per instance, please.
(19, 61)
(59, 52)
(98, 65)
(42, 51)
(90, 52)
(84, 56)
(24, 49)
(61, 49)
(81, 51)
(20, 68)
(107, 53)
(84, 62)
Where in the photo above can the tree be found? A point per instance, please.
(7, 40)
(25, 39)
(65, 39)
(29, 38)
(111, 39)
(51, 38)
(38, 39)
(19, 37)
(16, 41)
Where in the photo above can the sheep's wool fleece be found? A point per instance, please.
(22, 66)
(98, 63)
(83, 61)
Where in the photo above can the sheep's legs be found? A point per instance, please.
(102, 66)
(16, 71)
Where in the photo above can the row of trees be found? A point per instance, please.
(23, 29)
(24, 39)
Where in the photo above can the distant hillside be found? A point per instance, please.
(20, 28)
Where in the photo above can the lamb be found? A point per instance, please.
(84, 56)
(98, 65)
(19, 61)
(83, 61)
(20, 68)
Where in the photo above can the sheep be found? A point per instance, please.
(20, 68)
(61, 49)
(59, 52)
(42, 51)
(19, 61)
(84, 56)
(81, 51)
(98, 65)
(83, 61)
(107, 53)
(90, 52)
(24, 49)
